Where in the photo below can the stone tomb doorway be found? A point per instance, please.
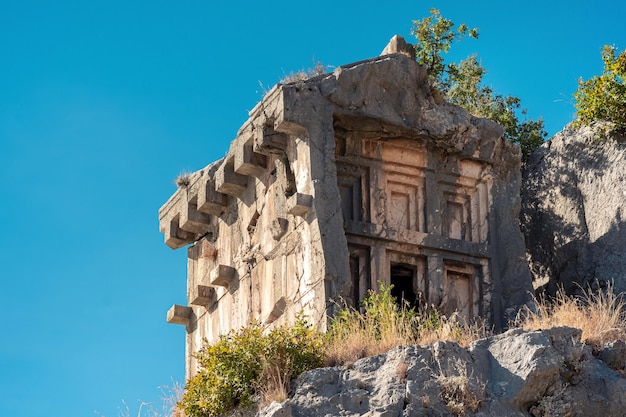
(462, 292)
(407, 274)
(402, 277)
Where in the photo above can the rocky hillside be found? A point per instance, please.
(574, 211)
(518, 373)
(573, 217)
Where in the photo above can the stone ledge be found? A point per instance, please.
(202, 295)
(266, 140)
(211, 201)
(411, 237)
(250, 163)
(175, 237)
(191, 220)
(222, 275)
(178, 314)
(227, 181)
(299, 204)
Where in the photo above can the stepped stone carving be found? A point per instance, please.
(341, 181)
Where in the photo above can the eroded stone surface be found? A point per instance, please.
(344, 180)
(517, 373)
(573, 213)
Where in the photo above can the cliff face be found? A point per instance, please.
(573, 211)
(518, 373)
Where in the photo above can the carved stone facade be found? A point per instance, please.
(415, 220)
(341, 181)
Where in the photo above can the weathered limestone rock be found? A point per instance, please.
(396, 45)
(574, 203)
(341, 181)
(541, 373)
(614, 355)
(522, 365)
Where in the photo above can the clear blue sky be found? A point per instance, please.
(103, 103)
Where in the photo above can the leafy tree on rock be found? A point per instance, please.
(603, 98)
(461, 83)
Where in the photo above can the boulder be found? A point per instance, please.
(574, 211)
(522, 365)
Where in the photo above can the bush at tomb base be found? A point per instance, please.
(383, 324)
(246, 365)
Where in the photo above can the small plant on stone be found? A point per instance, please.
(459, 391)
(183, 180)
(402, 370)
(552, 404)
(302, 75)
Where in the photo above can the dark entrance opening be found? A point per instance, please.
(402, 278)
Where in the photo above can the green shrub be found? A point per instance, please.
(603, 97)
(462, 84)
(246, 364)
(298, 347)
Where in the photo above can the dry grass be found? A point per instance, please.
(361, 337)
(171, 396)
(458, 396)
(402, 370)
(460, 392)
(317, 69)
(274, 386)
(360, 344)
(596, 314)
(168, 407)
(456, 330)
(354, 347)
(183, 180)
(384, 325)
